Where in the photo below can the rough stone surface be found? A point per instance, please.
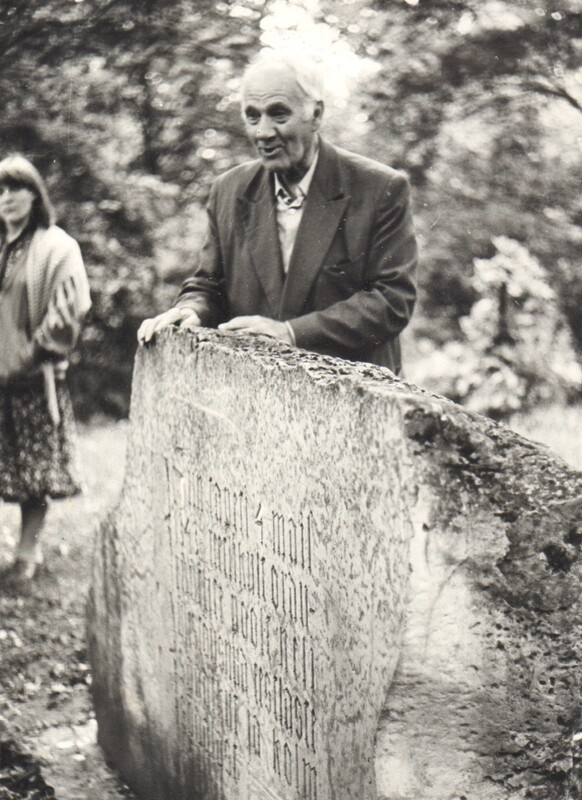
(323, 583)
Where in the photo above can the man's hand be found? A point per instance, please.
(259, 325)
(184, 317)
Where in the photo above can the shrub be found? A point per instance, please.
(516, 349)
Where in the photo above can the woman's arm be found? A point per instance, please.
(67, 301)
(60, 328)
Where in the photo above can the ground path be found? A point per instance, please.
(46, 718)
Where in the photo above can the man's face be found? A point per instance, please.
(280, 121)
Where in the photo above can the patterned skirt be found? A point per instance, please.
(37, 458)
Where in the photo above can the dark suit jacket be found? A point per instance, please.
(350, 288)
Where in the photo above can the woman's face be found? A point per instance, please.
(15, 204)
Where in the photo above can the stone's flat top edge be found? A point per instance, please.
(321, 368)
(429, 418)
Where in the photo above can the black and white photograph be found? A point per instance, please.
(291, 400)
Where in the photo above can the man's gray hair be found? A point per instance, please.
(306, 72)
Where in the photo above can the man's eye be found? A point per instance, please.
(252, 118)
(280, 114)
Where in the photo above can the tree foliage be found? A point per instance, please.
(516, 350)
(445, 60)
(129, 108)
(480, 102)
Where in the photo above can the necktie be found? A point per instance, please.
(289, 200)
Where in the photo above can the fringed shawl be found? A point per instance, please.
(53, 257)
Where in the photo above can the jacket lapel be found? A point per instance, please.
(322, 215)
(256, 210)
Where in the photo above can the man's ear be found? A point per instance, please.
(318, 110)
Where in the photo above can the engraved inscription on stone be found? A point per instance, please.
(250, 589)
(290, 529)
(243, 601)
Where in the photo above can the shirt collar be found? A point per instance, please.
(303, 186)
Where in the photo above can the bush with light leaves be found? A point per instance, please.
(516, 349)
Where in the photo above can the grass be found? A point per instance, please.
(558, 427)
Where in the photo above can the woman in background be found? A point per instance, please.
(44, 296)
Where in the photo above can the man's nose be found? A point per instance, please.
(265, 129)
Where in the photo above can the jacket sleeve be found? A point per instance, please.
(204, 292)
(383, 305)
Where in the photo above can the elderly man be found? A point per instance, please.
(308, 244)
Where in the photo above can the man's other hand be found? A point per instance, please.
(184, 317)
(259, 325)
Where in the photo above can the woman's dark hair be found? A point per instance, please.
(17, 171)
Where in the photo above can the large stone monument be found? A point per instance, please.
(323, 584)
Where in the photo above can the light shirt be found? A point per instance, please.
(289, 209)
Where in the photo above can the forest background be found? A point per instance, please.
(130, 109)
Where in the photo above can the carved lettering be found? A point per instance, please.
(241, 612)
(288, 763)
(276, 754)
(254, 735)
(292, 541)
